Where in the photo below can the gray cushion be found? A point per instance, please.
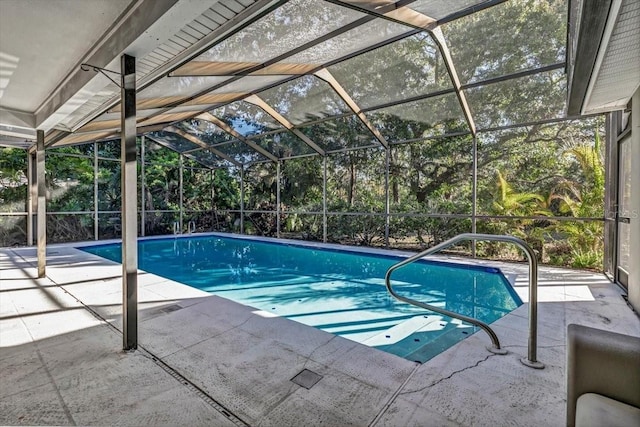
(595, 410)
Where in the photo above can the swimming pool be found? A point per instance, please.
(336, 290)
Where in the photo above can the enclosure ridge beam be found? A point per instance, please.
(228, 129)
(325, 75)
(438, 37)
(406, 15)
(394, 11)
(256, 100)
(202, 144)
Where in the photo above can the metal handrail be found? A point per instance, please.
(192, 227)
(531, 360)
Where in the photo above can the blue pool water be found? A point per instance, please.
(338, 291)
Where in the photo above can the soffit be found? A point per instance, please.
(618, 75)
(43, 40)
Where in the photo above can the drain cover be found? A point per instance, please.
(306, 378)
(170, 308)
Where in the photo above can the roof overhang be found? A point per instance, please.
(603, 56)
(69, 95)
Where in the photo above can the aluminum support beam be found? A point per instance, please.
(129, 210)
(214, 214)
(42, 204)
(32, 198)
(387, 207)
(143, 187)
(474, 195)
(95, 191)
(278, 177)
(438, 37)
(324, 199)
(181, 190)
(256, 100)
(228, 129)
(634, 205)
(241, 199)
(325, 75)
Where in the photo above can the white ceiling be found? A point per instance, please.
(43, 43)
(42, 40)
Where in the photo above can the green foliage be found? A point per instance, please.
(509, 202)
(13, 180)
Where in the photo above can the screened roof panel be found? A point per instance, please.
(361, 37)
(400, 70)
(181, 86)
(522, 100)
(438, 9)
(283, 145)
(76, 138)
(207, 158)
(513, 36)
(291, 25)
(240, 152)
(420, 119)
(305, 99)
(172, 89)
(340, 133)
(173, 141)
(246, 119)
(228, 93)
(206, 131)
(248, 84)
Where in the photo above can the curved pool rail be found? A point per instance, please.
(531, 360)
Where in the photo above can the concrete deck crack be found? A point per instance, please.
(451, 375)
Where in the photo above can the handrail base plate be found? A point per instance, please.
(500, 351)
(530, 364)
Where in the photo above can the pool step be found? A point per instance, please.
(419, 338)
(440, 344)
(404, 329)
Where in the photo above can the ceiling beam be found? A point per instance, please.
(201, 143)
(228, 129)
(325, 75)
(256, 100)
(438, 37)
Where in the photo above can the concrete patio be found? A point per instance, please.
(205, 360)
